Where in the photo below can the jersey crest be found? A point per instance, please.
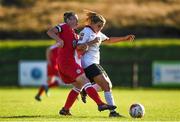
(81, 36)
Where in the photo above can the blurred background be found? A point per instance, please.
(152, 60)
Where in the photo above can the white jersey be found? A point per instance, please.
(92, 55)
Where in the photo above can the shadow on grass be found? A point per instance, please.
(28, 116)
(51, 116)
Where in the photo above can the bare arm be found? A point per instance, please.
(53, 34)
(84, 46)
(119, 39)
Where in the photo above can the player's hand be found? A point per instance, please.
(60, 44)
(130, 37)
(83, 47)
(96, 40)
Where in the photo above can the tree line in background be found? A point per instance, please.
(29, 19)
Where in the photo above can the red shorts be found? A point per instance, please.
(70, 71)
(52, 70)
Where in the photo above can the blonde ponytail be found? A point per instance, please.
(93, 17)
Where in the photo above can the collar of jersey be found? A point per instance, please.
(69, 27)
(90, 28)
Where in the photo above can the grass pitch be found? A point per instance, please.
(18, 104)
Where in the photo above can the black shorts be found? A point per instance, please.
(94, 70)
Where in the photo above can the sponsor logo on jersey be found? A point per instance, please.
(78, 71)
(81, 36)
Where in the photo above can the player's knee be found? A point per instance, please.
(110, 85)
(76, 89)
(85, 86)
(107, 86)
(81, 81)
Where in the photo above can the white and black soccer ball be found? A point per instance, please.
(136, 110)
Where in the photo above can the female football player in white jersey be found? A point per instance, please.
(91, 55)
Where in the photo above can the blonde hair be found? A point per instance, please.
(93, 17)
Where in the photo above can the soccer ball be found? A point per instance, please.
(136, 110)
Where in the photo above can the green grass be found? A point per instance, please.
(25, 43)
(19, 105)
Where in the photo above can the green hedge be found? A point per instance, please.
(121, 70)
(117, 59)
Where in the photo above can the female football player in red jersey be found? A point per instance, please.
(70, 71)
(53, 78)
(90, 60)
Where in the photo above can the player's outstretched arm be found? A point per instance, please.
(84, 46)
(96, 40)
(119, 39)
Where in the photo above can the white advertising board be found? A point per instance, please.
(32, 73)
(166, 72)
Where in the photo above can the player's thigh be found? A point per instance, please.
(81, 80)
(70, 71)
(103, 82)
(107, 79)
(100, 79)
(96, 73)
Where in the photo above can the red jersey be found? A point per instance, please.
(70, 39)
(67, 66)
(53, 54)
(52, 68)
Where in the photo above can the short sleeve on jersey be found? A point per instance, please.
(84, 36)
(103, 37)
(59, 28)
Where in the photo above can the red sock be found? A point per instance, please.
(71, 99)
(53, 84)
(41, 90)
(94, 95)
